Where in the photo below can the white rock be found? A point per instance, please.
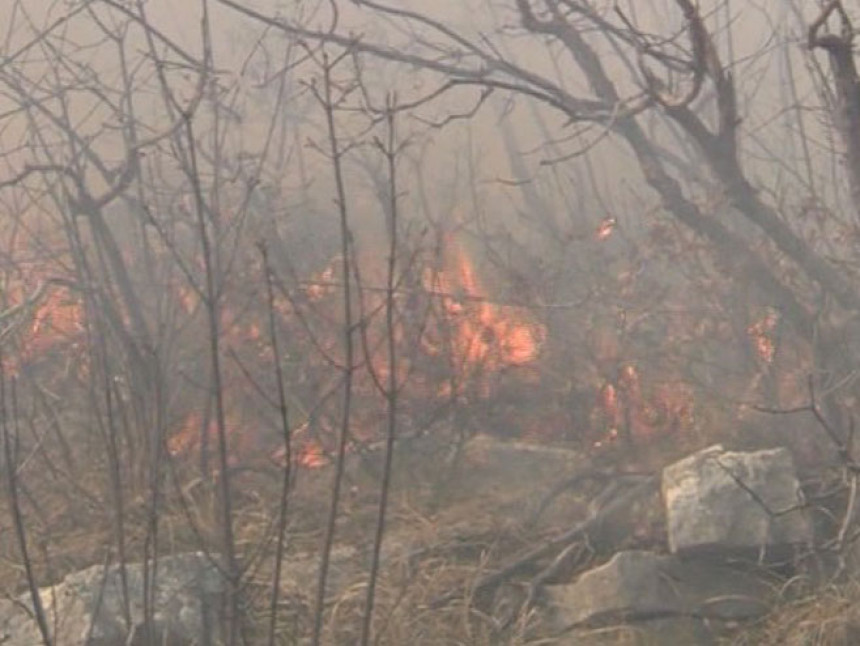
(86, 608)
(747, 503)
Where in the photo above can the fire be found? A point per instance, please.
(478, 338)
(58, 318)
(186, 440)
(54, 319)
(312, 456)
(484, 335)
(322, 285)
(762, 334)
(605, 228)
(664, 411)
(308, 454)
(187, 437)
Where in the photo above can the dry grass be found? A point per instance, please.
(440, 540)
(827, 617)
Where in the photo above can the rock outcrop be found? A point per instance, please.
(749, 504)
(87, 608)
(661, 595)
(730, 516)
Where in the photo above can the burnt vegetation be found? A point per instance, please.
(266, 271)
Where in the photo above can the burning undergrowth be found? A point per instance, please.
(474, 357)
(457, 349)
(470, 357)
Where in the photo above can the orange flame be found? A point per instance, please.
(762, 333)
(485, 335)
(480, 337)
(186, 440)
(312, 456)
(666, 410)
(605, 228)
(56, 321)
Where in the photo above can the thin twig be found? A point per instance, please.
(10, 452)
(283, 410)
(391, 392)
(336, 152)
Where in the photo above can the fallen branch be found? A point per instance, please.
(618, 504)
(608, 479)
(553, 569)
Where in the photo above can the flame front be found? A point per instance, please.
(476, 338)
(53, 321)
(483, 334)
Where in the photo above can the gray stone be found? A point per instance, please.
(86, 608)
(636, 586)
(628, 586)
(730, 502)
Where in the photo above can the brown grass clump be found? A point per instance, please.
(827, 617)
(440, 541)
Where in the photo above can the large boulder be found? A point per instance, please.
(733, 503)
(87, 609)
(658, 595)
(628, 586)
